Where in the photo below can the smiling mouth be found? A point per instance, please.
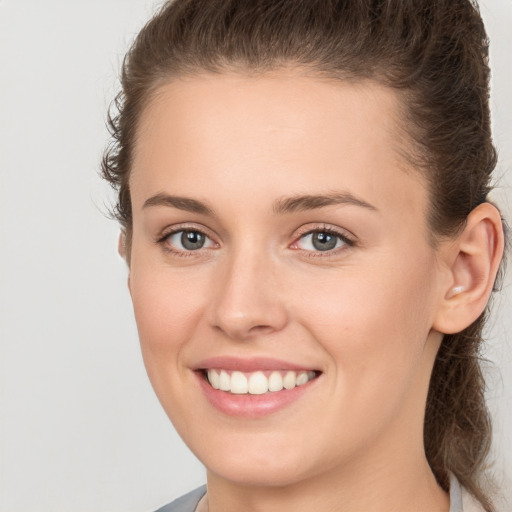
(259, 382)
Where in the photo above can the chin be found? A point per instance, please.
(277, 459)
(270, 474)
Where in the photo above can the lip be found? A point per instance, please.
(251, 406)
(249, 365)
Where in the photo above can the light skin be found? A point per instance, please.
(368, 314)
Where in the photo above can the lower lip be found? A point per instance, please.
(251, 406)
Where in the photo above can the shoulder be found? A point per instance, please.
(460, 500)
(187, 502)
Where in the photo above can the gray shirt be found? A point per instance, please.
(460, 500)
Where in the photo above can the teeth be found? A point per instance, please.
(275, 382)
(214, 379)
(257, 383)
(302, 378)
(289, 380)
(224, 380)
(239, 384)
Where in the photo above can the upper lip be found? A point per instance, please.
(249, 365)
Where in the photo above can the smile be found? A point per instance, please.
(258, 382)
(256, 387)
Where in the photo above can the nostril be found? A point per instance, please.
(242, 328)
(261, 328)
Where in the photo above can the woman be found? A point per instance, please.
(303, 195)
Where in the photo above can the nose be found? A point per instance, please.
(248, 299)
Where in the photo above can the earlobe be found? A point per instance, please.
(473, 260)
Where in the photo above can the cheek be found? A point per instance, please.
(373, 324)
(166, 309)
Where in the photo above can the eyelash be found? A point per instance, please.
(162, 241)
(348, 242)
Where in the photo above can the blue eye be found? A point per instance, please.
(322, 241)
(188, 240)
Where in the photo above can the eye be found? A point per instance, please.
(322, 241)
(188, 240)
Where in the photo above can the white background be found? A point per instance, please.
(80, 428)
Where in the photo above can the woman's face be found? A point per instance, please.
(277, 229)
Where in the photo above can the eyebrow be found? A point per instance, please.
(181, 203)
(311, 202)
(281, 206)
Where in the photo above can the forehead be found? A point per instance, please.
(279, 133)
(280, 101)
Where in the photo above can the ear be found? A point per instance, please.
(121, 244)
(121, 249)
(472, 261)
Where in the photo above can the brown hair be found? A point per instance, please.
(435, 52)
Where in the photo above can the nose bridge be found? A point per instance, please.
(247, 299)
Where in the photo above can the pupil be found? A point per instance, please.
(192, 240)
(324, 241)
